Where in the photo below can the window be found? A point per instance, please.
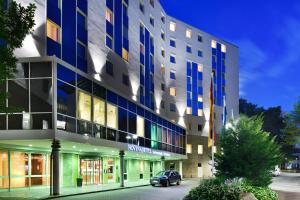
(173, 74)
(223, 48)
(140, 126)
(172, 26)
(214, 149)
(162, 104)
(200, 98)
(162, 52)
(142, 49)
(142, 69)
(172, 42)
(151, 20)
(200, 38)
(141, 90)
(142, 167)
(188, 33)
(188, 49)
(125, 54)
(162, 86)
(172, 59)
(163, 18)
(173, 91)
(199, 127)
(213, 44)
(99, 111)
(200, 68)
(142, 7)
(188, 148)
(53, 31)
(200, 112)
(200, 149)
(84, 106)
(112, 116)
(109, 15)
(172, 107)
(125, 79)
(200, 53)
(162, 35)
(163, 69)
(109, 68)
(109, 41)
(152, 3)
(189, 110)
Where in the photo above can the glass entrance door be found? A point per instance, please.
(91, 171)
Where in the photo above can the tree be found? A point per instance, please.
(16, 22)
(246, 151)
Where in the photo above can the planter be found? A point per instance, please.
(79, 182)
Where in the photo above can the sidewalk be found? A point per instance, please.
(43, 193)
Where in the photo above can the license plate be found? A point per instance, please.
(155, 181)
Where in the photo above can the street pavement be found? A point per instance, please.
(173, 192)
(287, 185)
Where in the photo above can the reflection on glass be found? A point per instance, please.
(22, 70)
(112, 116)
(19, 94)
(40, 69)
(99, 111)
(19, 167)
(41, 95)
(84, 106)
(66, 99)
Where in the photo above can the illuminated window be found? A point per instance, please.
(200, 68)
(142, 168)
(163, 69)
(112, 116)
(200, 98)
(172, 26)
(173, 91)
(200, 149)
(200, 112)
(213, 44)
(109, 15)
(189, 110)
(223, 48)
(125, 54)
(140, 127)
(99, 111)
(84, 106)
(188, 148)
(53, 31)
(188, 33)
(214, 149)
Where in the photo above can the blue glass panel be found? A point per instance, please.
(122, 119)
(112, 97)
(84, 83)
(53, 48)
(122, 102)
(66, 74)
(214, 51)
(126, 44)
(188, 49)
(147, 68)
(81, 51)
(110, 4)
(99, 91)
(118, 27)
(109, 28)
(172, 75)
(142, 99)
(53, 11)
(131, 107)
(82, 4)
(81, 28)
(148, 129)
(194, 89)
(200, 53)
(140, 111)
(147, 114)
(154, 118)
(142, 59)
(200, 75)
(172, 59)
(108, 42)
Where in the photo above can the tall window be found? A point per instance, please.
(223, 48)
(189, 110)
(140, 126)
(200, 149)
(188, 148)
(172, 26)
(188, 33)
(172, 58)
(84, 106)
(112, 116)
(109, 15)
(173, 74)
(200, 68)
(173, 91)
(53, 31)
(99, 111)
(213, 44)
(125, 54)
(200, 112)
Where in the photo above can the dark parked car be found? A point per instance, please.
(166, 178)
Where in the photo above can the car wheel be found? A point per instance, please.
(153, 185)
(178, 182)
(167, 184)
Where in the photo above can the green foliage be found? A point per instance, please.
(16, 22)
(248, 152)
(214, 189)
(261, 193)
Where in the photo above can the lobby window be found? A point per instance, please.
(172, 107)
(200, 112)
(84, 106)
(172, 58)
(200, 149)
(200, 53)
(189, 110)
(109, 68)
(125, 79)
(152, 20)
(213, 44)
(53, 31)
(163, 35)
(112, 116)
(223, 48)
(200, 39)
(109, 15)
(172, 26)
(172, 42)
(140, 126)
(142, 6)
(173, 74)
(99, 111)
(188, 49)
(125, 54)
(200, 68)
(188, 33)
(188, 148)
(152, 3)
(172, 91)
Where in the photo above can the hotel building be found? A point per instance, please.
(112, 91)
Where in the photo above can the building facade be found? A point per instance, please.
(109, 88)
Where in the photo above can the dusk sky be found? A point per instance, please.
(268, 35)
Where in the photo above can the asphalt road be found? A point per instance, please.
(142, 193)
(287, 185)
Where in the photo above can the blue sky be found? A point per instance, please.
(268, 35)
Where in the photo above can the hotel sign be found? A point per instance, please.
(139, 149)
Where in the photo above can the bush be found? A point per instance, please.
(261, 193)
(215, 189)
